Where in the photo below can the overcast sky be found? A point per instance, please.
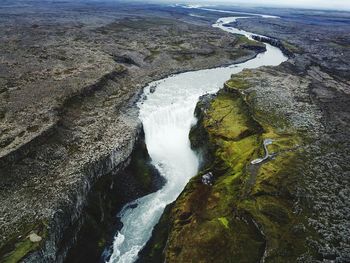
(321, 4)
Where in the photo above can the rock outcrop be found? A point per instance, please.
(277, 207)
(68, 116)
(289, 208)
(275, 43)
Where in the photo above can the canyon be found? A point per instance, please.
(73, 151)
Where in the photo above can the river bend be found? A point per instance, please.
(167, 114)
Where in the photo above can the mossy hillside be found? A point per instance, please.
(291, 48)
(270, 190)
(19, 247)
(272, 120)
(245, 42)
(204, 219)
(203, 229)
(249, 207)
(238, 81)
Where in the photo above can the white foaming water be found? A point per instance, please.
(167, 116)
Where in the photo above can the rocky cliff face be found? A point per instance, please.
(276, 43)
(68, 114)
(270, 211)
(107, 196)
(243, 214)
(292, 206)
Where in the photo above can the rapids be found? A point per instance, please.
(167, 114)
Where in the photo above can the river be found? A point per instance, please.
(167, 114)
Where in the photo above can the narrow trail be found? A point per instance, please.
(267, 155)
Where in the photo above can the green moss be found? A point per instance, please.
(239, 53)
(236, 154)
(224, 221)
(228, 118)
(21, 250)
(18, 247)
(291, 48)
(239, 81)
(243, 40)
(182, 57)
(153, 55)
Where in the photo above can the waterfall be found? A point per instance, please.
(167, 113)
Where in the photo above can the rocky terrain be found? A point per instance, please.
(71, 149)
(292, 207)
(70, 74)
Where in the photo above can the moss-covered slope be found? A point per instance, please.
(250, 212)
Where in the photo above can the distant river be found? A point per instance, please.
(167, 115)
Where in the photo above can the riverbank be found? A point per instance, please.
(98, 223)
(167, 116)
(291, 207)
(68, 115)
(248, 212)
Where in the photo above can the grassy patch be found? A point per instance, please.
(19, 247)
(225, 220)
(153, 55)
(291, 48)
(243, 40)
(238, 81)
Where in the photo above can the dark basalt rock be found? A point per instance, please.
(98, 221)
(275, 43)
(125, 60)
(208, 178)
(258, 49)
(68, 108)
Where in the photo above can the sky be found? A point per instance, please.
(317, 4)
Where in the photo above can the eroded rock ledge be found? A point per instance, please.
(68, 115)
(294, 204)
(244, 213)
(267, 212)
